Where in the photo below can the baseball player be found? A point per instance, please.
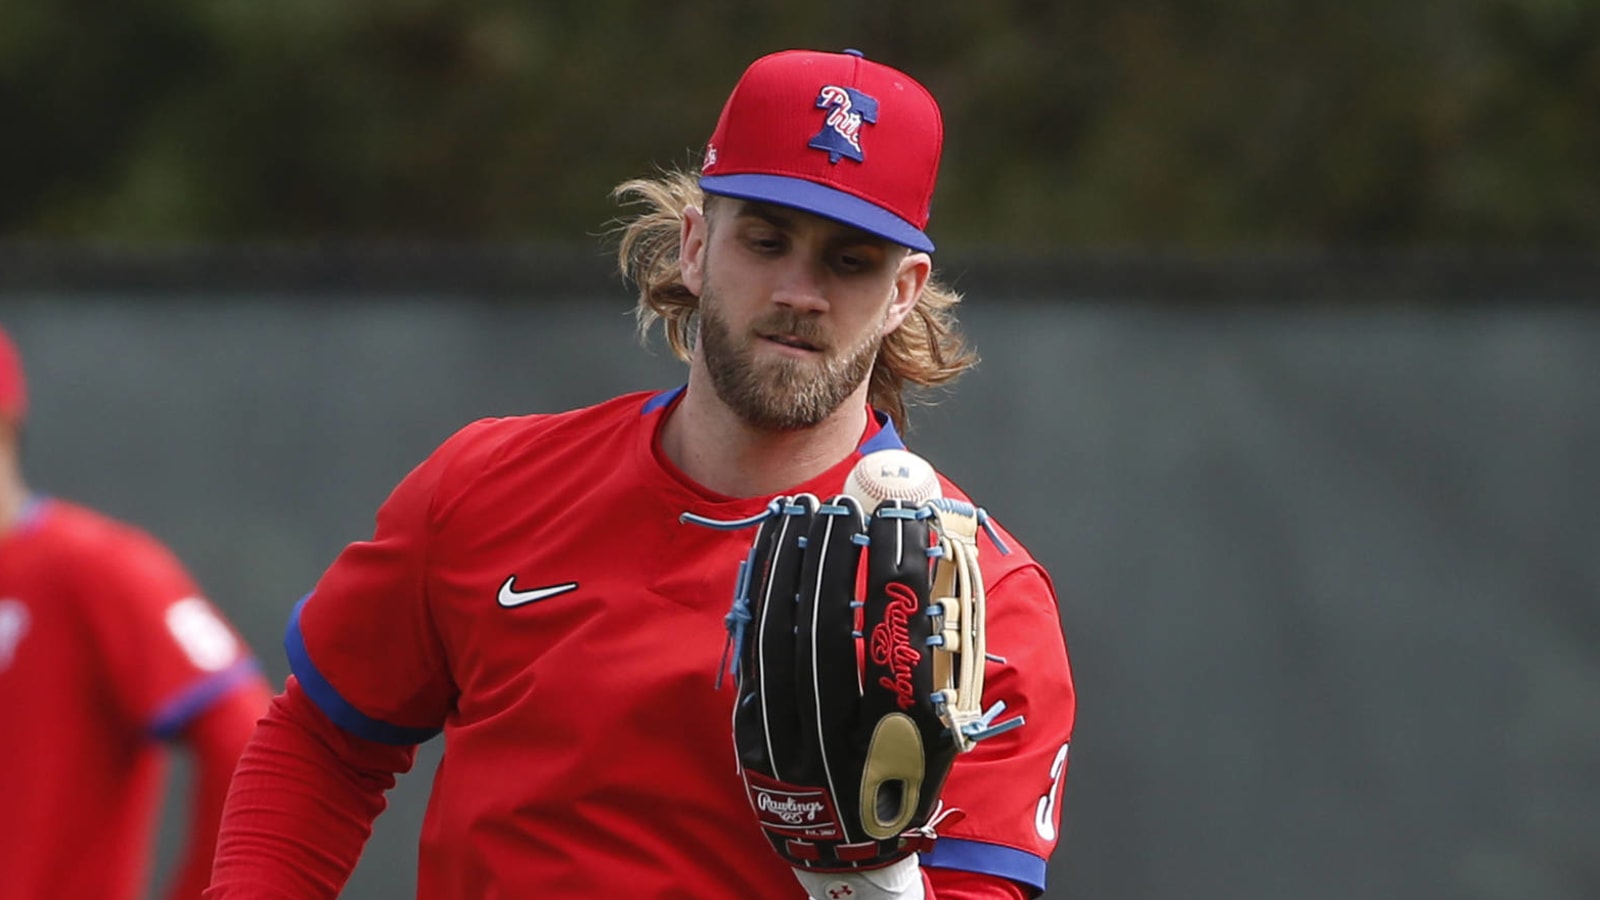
(107, 649)
(532, 592)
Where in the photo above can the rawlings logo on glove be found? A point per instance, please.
(891, 643)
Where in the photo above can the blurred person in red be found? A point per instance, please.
(108, 651)
(532, 593)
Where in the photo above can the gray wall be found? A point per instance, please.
(1330, 580)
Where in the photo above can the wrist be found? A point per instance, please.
(901, 880)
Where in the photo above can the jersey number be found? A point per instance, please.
(1044, 815)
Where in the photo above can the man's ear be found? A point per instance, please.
(909, 280)
(692, 237)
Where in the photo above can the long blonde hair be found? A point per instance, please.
(926, 351)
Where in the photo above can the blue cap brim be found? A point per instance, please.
(821, 200)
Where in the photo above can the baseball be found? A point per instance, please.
(892, 475)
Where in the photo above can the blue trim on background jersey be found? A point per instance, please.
(31, 513)
(886, 438)
(988, 859)
(334, 706)
(175, 714)
(662, 399)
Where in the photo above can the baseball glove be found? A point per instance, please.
(857, 636)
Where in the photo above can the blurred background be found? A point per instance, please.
(1288, 315)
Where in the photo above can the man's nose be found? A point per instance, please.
(800, 286)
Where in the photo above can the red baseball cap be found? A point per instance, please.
(13, 388)
(833, 134)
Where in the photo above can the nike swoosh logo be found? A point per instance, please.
(510, 597)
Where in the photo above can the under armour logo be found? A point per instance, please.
(840, 890)
(847, 109)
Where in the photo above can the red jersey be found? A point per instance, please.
(531, 592)
(106, 647)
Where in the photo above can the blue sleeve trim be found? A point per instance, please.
(886, 438)
(661, 399)
(987, 859)
(175, 714)
(336, 707)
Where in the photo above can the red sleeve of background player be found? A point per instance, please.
(168, 655)
(1009, 787)
(362, 644)
(215, 740)
(176, 670)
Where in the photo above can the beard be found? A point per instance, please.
(780, 394)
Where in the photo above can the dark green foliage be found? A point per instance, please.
(1203, 123)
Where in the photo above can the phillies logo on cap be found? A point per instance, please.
(847, 109)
